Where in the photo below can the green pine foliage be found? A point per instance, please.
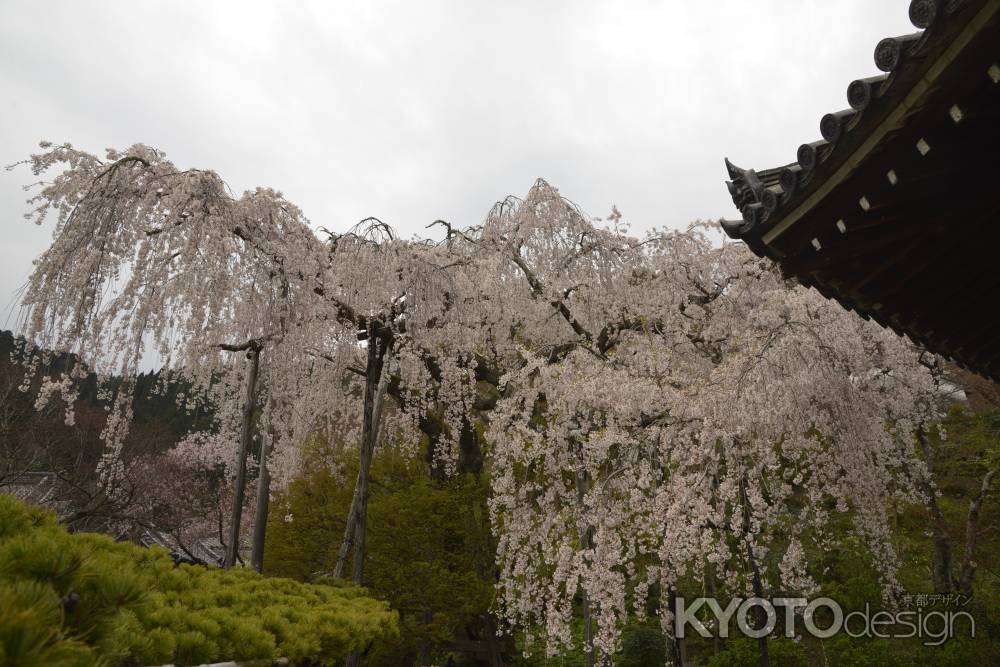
(84, 599)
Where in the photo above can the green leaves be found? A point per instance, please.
(132, 606)
(430, 552)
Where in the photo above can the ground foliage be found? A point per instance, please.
(83, 599)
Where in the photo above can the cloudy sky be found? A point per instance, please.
(413, 111)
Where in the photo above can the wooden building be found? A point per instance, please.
(895, 212)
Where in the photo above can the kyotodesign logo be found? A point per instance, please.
(823, 617)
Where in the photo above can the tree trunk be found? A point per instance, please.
(588, 634)
(372, 415)
(713, 592)
(972, 535)
(495, 655)
(263, 504)
(424, 652)
(674, 652)
(246, 430)
(760, 617)
(585, 543)
(941, 563)
(348, 540)
(375, 418)
(375, 372)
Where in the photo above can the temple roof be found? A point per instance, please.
(895, 212)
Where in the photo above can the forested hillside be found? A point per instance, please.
(42, 454)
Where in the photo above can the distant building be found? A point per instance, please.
(37, 488)
(42, 489)
(208, 551)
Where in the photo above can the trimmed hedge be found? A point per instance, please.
(84, 599)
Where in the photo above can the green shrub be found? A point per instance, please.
(429, 549)
(642, 645)
(84, 599)
(744, 652)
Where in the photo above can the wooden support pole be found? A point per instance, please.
(232, 548)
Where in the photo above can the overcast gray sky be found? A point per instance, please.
(413, 111)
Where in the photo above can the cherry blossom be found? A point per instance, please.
(667, 403)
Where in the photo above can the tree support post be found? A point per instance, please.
(263, 504)
(232, 549)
